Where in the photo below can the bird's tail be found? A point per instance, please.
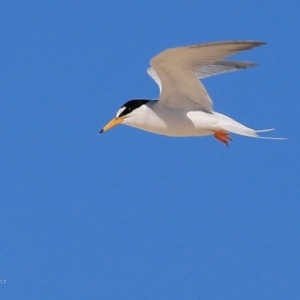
(246, 131)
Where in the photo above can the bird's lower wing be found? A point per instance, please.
(219, 67)
(222, 66)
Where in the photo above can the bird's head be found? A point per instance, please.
(125, 112)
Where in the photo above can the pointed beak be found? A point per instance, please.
(114, 122)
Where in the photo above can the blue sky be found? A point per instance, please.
(129, 214)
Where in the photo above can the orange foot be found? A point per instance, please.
(223, 137)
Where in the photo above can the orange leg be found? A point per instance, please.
(223, 137)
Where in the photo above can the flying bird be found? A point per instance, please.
(184, 108)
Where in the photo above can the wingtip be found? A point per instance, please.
(253, 44)
(259, 43)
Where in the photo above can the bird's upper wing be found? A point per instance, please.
(216, 68)
(177, 71)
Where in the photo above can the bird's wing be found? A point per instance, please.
(216, 68)
(151, 72)
(176, 71)
(222, 66)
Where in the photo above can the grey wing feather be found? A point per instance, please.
(176, 69)
(222, 66)
(216, 68)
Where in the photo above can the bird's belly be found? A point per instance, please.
(177, 123)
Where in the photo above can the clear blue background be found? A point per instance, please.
(129, 214)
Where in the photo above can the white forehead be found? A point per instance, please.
(120, 111)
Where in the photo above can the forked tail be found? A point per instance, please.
(246, 131)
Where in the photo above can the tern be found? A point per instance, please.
(184, 108)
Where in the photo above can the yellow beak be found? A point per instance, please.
(114, 122)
